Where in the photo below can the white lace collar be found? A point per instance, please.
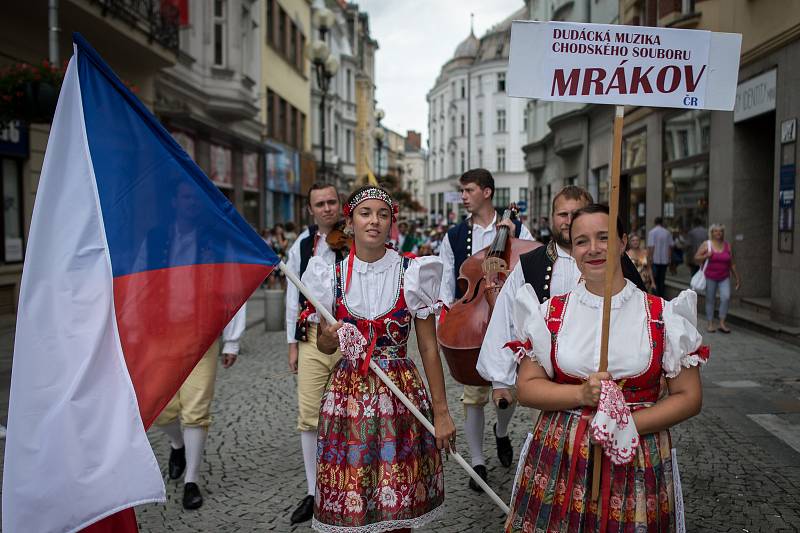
(381, 265)
(592, 300)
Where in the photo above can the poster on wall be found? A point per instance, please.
(282, 169)
(221, 166)
(186, 141)
(250, 172)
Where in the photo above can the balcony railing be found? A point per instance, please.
(159, 20)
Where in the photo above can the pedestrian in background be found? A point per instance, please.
(678, 246)
(291, 234)
(719, 254)
(659, 252)
(639, 258)
(696, 236)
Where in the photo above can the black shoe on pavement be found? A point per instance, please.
(481, 471)
(505, 452)
(304, 511)
(192, 499)
(177, 462)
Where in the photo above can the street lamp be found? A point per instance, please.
(379, 136)
(325, 66)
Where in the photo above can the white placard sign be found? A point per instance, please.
(633, 65)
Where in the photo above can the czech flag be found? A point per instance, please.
(135, 263)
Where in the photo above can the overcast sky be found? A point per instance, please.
(416, 37)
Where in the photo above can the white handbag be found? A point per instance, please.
(698, 282)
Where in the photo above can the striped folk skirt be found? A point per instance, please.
(638, 497)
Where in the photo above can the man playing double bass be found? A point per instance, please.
(551, 271)
(470, 236)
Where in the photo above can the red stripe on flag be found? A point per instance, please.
(168, 318)
(121, 522)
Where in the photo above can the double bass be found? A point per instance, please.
(482, 275)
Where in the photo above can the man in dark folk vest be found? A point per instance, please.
(313, 368)
(466, 238)
(551, 271)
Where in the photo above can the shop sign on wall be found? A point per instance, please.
(755, 96)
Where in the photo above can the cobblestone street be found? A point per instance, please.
(739, 460)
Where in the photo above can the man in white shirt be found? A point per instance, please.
(313, 368)
(550, 270)
(461, 241)
(659, 251)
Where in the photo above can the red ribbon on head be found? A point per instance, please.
(350, 260)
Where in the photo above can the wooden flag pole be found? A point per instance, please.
(611, 264)
(326, 314)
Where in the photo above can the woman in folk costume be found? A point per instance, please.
(378, 468)
(625, 409)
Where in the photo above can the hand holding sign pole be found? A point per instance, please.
(621, 65)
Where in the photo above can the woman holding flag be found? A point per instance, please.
(378, 468)
(624, 410)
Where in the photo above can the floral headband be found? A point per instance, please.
(372, 193)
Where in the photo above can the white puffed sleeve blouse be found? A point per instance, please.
(578, 346)
(374, 287)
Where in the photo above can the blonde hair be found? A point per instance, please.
(712, 227)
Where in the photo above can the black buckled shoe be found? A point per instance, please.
(192, 499)
(304, 511)
(505, 452)
(177, 462)
(481, 471)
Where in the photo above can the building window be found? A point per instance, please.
(463, 90)
(596, 177)
(686, 149)
(293, 44)
(453, 89)
(349, 141)
(501, 82)
(501, 120)
(282, 116)
(271, 122)
(463, 126)
(525, 121)
(501, 160)
(480, 85)
(453, 131)
(452, 162)
(336, 139)
(281, 31)
(433, 169)
(219, 33)
(523, 194)
(502, 197)
(349, 85)
(480, 157)
(463, 163)
(271, 22)
(12, 210)
(633, 182)
(301, 131)
(480, 122)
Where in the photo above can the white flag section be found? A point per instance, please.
(633, 65)
(76, 449)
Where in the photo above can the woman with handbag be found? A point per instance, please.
(717, 269)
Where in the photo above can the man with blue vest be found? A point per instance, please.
(464, 239)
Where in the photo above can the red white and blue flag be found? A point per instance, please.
(135, 263)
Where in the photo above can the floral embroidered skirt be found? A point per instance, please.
(640, 494)
(378, 468)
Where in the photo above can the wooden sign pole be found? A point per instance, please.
(611, 264)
